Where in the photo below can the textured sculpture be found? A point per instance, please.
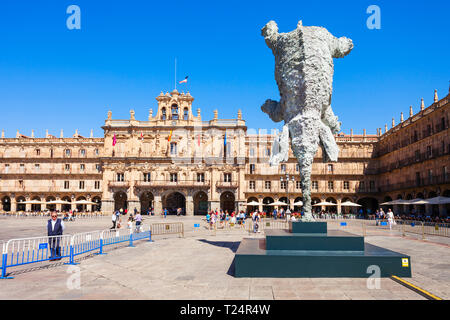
(304, 75)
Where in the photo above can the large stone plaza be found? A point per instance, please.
(200, 266)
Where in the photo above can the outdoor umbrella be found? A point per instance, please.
(58, 202)
(350, 204)
(417, 201)
(253, 203)
(277, 203)
(324, 204)
(298, 203)
(32, 202)
(393, 202)
(84, 202)
(438, 200)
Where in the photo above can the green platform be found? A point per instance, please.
(313, 254)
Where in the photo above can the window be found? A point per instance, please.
(68, 153)
(147, 177)
(98, 167)
(283, 185)
(252, 169)
(173, 177)
(362, 185)
(200, 177)
(251, 185)
(21, 183)
(174, 112)
(417, 155)
(163, 114)
(267, 185)
(330, 168)
(22, 168)
(51, 153)
(297, 167)
(298, 185)
(97, 185)
(268, 152)
(173, 148)
(283, 168)
(372, 185)
(186, 114)
(428, 129)
(444, 173)
(418, 178)
(429, 152)
(81, 185)
(120, 177)
(67, 167)
(330, 185)
(315, 185)
(228, 149)
(227, 177)
(37, 167)
(82, 167)
(66, 185)
(38, 152)
(96, 152)
(82, 152)
(346, 185)
(6, 168)
(252, 152)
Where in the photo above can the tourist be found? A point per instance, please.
(114, 220)
(390, 217)
(165, 213)
(138, 220)
(377, 217)
(275, 214)
(130, 223)
(55, 228)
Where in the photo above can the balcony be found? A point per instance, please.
(172, 184)
(226, 184)
(119, 184)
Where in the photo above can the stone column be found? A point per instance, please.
(158, 205)
(13, 204)
(339, 208)
(189, 205)
(107, 206)
(133, 204)
(28, 207)
(215, 205)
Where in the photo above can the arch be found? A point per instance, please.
(120, 200)
(227, 201)
(266, 202)
(298, 208)
(146, 200)
(252, 208)
(98, 205)
(6, 203)
(174, 112)
(446, 193)
(200, 203)
(314, 201)
(36, 207)
(369, 205)
(51, 207)
(399, 196)
(66, 207)
(285, 200)
(163, 114)
(332, 209)
(173, 201)
(186, 114)
(81, 207)
(434, 207)
(19, 206)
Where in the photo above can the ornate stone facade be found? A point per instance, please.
(219, 163)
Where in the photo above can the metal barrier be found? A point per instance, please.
(167, 228)
(17, 252)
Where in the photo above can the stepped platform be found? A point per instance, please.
(312, 254)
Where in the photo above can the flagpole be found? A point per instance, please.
(175, 73)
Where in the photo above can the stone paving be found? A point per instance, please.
(200, 266)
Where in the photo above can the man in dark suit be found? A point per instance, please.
(55, 228)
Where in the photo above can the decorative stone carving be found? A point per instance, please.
(304, 75)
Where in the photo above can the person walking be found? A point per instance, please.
(114, 220)
(390, 217)
(55, 228)
(165, 213)
(138, 219)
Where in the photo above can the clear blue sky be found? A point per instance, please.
(123, 57)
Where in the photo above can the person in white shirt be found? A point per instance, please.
(390, 217)
(114, 220)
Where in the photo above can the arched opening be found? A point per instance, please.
(298, 208)
(434, 207)
(66, 207)
(98, 205)
(420, 208)
(174, 201)
(174, 111)
(285, 200)
(146, 200)
(200, 203)
(387, 207)
(120, 201)
(186, 114)
(6, 203)
(369, 206)
(266, 207)
(331, 209)
(313, 202)
(51, 207)
(227, 202)
(252, 208)
(163, 114)
(81, 207)
(19, 205)
(36, 207)
(446, 193)
(409, 207)
(345, 209)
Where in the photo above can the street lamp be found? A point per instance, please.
(287, 189)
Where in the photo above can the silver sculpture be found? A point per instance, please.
(304, 75)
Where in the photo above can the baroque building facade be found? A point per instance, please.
(175, 159)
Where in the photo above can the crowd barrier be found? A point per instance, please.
(167, 228)
(17, 252)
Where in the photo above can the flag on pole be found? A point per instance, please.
(225, 140)
(142, 136)
(170, 135)
(184, 81)
(114, 140)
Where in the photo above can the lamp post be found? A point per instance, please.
(287, 189)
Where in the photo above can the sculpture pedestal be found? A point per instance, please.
(305, 251)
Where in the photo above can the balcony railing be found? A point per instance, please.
(226, 184)
(119, 184)
(166, 183)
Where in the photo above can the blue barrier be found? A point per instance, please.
(17, 252)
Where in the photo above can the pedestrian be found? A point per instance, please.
(55, 228)
(130, 223)
(165, 213)
(390, 217)
(114, 220)
(138, 219)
